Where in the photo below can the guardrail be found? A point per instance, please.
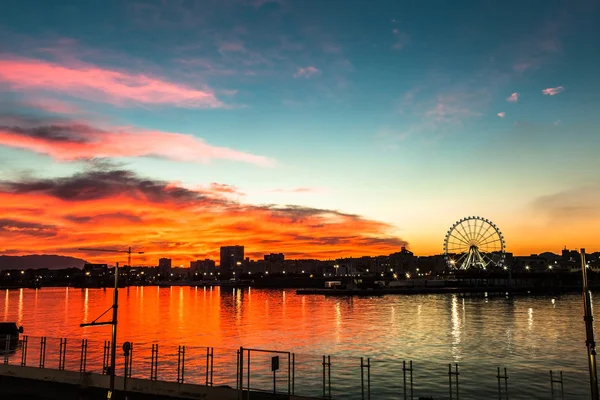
(267, 371)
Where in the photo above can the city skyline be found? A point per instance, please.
(277, 125)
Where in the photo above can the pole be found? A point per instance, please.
(113, 344)
(589, 330)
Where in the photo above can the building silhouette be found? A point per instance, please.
(231, 256)
(164, 267)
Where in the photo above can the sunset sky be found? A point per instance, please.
(320, 129)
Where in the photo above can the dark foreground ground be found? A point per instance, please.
(28, 389)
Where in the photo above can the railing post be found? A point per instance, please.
(500, 377)
(241, 372)
(455, 374)
(324, 377)
(327, 377)
(154, 362)
(293, 373)
(62, 352)
(6, 349)
(24, 344)
(404, 371)
(180, 364)
(362, 380)
(560, 381)
(83, 357)
(106, 358)
(248, 379)
(289, 374)
(209, 366)
(42, 351)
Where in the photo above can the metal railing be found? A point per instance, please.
(278, 372)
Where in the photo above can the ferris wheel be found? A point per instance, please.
(474, 242)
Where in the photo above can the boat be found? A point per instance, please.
(9, 335)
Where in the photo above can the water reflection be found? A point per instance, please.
(20, 312)
(530, 319)
(456, 329)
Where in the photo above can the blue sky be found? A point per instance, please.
(395, 111)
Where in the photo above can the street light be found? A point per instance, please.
(113, 322)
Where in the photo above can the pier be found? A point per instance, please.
(58, 368)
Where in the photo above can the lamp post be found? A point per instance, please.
(113, 322)
(589, 330)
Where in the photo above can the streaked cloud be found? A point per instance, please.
(553, 91)
(400, 39)
(98, 84)
(167, 219)
(502, 114)
(72, 140)
(449, 110)
(306, 72)
(513, 97)
(53, 106)
(298, 190)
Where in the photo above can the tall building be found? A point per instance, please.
(164, 267)
(274, 257)
(231, 256)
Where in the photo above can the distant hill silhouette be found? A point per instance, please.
(37, 261)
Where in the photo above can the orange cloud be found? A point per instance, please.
(95, 83)
(68, 140)
(117, 208)
(513, 98)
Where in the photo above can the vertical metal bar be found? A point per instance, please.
(505, 384)
(551, 385)
(329, 374)
(248, 375)
(324, 392)
(293, 373)
(6, 348)
(404, 379)
(241, 377)
(562, 391)
(289, 373)
(183, 366)
(362, 381)
(24, 344)
(212, 363)
(499, 387)
(130, 359)
(450, 379)
(368, 378)
(457, 396)
(411, 381)
(589, 330)
(42, 351)
(60, 354)
(237, 366)
(178, 363)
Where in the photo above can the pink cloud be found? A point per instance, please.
(297, 190)
(231, 47)
(513, 98)
(502, 114)
(306, 72)
(100, 84)
(449, 110)
(69, 141)
(400, 39)
(53, 106)
(553, 91)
